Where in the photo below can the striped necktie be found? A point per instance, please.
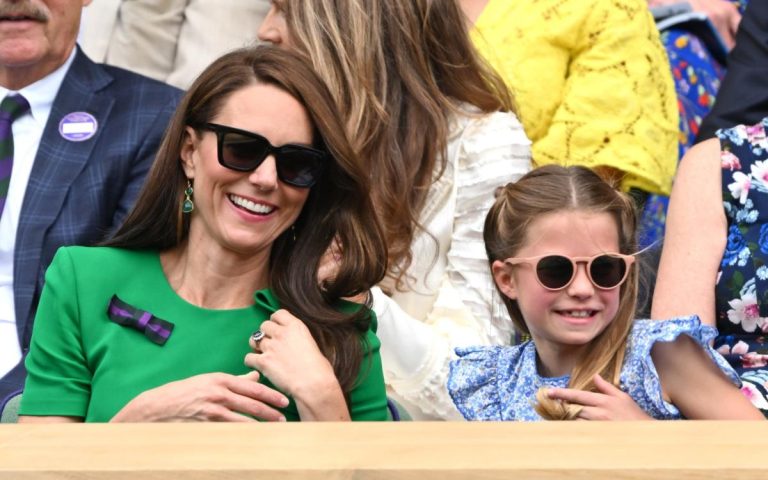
(11, 108)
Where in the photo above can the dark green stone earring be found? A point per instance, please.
(188, 205)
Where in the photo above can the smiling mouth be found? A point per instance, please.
(250, 206)
(578, 313)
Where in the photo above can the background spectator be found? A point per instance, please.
(743, 97)
(169, 40)
(80, 154)
(714, 258)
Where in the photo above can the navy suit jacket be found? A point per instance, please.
(78, 192)
(743, 96)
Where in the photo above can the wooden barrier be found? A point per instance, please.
(409, 450)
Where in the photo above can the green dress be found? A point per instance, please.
(83, 364)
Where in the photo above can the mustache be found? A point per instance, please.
(22, 10)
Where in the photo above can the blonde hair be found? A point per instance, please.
(554, 188)
(396, 69)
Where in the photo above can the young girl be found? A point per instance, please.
(560, 244)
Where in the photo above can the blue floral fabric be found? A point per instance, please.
(697, 76)
(742, 284)
(500, 382)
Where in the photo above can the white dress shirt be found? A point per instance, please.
(27, 132)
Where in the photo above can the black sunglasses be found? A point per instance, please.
(555, 272)
(244, 151)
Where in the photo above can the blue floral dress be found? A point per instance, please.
(500, 382)
(697, 76)
(741, 293)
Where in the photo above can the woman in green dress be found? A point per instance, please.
(252, 184)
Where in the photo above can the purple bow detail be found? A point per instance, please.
(155, 329)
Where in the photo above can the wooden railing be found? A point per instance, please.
(408, 450)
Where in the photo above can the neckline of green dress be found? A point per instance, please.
(264, 300)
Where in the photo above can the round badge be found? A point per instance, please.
(78, 126)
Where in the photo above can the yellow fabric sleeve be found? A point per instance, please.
(592, 84)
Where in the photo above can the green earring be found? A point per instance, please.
(188, 205)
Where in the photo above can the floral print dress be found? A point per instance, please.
(492, 383)
(697, 77)
(742, 283)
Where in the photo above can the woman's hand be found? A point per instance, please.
(291, 359)
(216, 397)
(610, 403)
(723, 14)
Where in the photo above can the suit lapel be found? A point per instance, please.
(57, 164)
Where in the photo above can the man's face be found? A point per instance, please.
(37, 36)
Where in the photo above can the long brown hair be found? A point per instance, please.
(338, 206)
(554, 188)
(397, 69)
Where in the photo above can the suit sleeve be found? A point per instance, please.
(211, 29)
(145, 39)
(142, 162)
(743, 96)
(59, 380)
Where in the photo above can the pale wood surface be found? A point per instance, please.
(409, 450)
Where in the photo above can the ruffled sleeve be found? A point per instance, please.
(639, 377)
(472, 382)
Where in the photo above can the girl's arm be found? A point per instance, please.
(692, 382)
(695, 238)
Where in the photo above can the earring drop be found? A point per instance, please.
(293, 232)
(188, 205)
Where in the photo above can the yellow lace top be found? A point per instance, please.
(592, 83)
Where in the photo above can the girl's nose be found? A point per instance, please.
(581, 286)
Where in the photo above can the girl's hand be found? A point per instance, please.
(215, 397)
(291, 359)
(609, 404)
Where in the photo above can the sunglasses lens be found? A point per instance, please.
(608, 271)
(243, 153)
(300, 167)
(554, 271)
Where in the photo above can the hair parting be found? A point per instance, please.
(550, 189)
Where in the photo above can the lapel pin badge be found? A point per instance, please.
(78, 126)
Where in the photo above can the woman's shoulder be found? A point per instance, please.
(102, 261)
(752, 136)
(504, 17)
(95, 254)
(469, 122)
(484, 138)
